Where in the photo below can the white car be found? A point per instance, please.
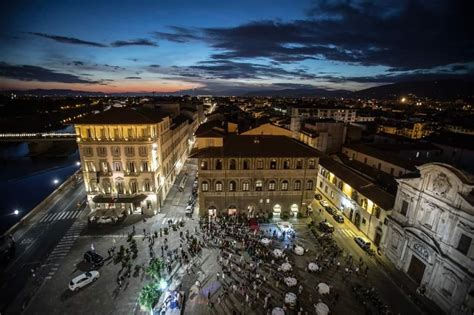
(189, 209)
(362, 242)
(83, 280)
(324, 203)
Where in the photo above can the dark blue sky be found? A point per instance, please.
(118, 46)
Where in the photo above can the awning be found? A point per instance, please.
(128, 199)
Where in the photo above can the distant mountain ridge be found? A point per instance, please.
(436, 89)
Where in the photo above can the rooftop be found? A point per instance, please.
(258, 146)
(121, 116)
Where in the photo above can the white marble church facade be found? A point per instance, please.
(430, 235)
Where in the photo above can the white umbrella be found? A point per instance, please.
(299, 250)
(313, 267)
(278, 311)
(323, 288)
(277, 253)
(321, 309)
(290, 281)
(265, 241)
(285, 267)
(290, 298)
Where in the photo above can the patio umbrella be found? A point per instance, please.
(323, 288)
(278, 311)
(322, 309)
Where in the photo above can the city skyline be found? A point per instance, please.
(177, 46)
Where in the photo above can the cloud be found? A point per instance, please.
(405, 35)
(35, 73)
(133, 42)
(68, 40)
(84, 65)
(132, 78)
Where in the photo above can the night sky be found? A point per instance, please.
(166, 46)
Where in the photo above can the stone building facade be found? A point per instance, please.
(130, 158)
(257, 176)
(430, 235)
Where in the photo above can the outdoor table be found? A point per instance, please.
(277, 253)
(285, 267)
(290, 281)
(290, 298)
(321, 309)
(278, 311)
(313, 267)
(299, 250)
(323, 288)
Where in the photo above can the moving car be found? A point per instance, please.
(330, 210)
(324, 203)
(94, 259)
(326, 227)
(318, 197)
(362, 242)
(83, 280)
(338, 217)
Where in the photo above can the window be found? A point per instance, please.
(102, 133)
(395, 240)
(205, 186)
(218, 186)
(340, 184)
(88, 133)
(119, 186)
(88, 151)
(312, 164)
(391, 171)
(259, 164)
(326, 189)
(245, 186)
(146, 185)
(145, 166)
(448, 286)
(297, 185)
(204, 165)
(232, 186)
(115, 150)
(286, 164)
(116, 133)
(101, 151)
(332, 194)
(404, 208)
(133, 186)
(232, 164)
(130, 132)
(273, 164)
(104, 166)
(258, 185)
(131, 166)
(299, 164)
(117, 166)
(377, 211)
(271, 185)
(284, 185)
(464, 244)
(246, 165)
(321, 184)
(309, 185)
(129, 151)
(219, 164)
(142, 151)
(364, 221)
(106, 186)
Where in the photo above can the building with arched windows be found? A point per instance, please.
(257, 176)
(430, 234)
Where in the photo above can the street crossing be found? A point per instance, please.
(63, 215)
(344, 232)
(175, 220)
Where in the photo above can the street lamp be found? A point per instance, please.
(78, 163)
(16, 212)
(55, 181)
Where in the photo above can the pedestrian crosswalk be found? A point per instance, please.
(62, 215)
(344, 232)
(175, 220)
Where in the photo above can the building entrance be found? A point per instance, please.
(276, 211)
(294, 210)
(416, 269)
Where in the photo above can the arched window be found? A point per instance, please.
(297, 185)
(258, 185)
(218, 164)
(204, 165)
(284, 185)
(232, 186)
(299, 164)
(218, 186)
(309, 185)
(232, 164)
(271, 185)
(245, 186)
(246, 165)
(273, 164)
(204, 186)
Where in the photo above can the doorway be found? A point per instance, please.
(378, 237)
(416, 269)
(276, 211)
(357, 220)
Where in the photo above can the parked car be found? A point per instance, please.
(94, 259)
(83, 280)
(326, 227)
(189, 209)
(318, 197)
(362, 242)
(324, 203)
(338, 217)
(330, 210)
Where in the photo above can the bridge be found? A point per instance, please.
(37, 137)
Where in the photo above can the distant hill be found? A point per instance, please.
(300, 93)
(53, 92)
(438, 90)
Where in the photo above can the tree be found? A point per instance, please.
(155, 268)
(149, 295)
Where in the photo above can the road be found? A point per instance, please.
(41, 245)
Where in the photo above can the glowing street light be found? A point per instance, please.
(78, 163)
(163, 284)
(403, 100)
(16, 212)
(55, 181)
